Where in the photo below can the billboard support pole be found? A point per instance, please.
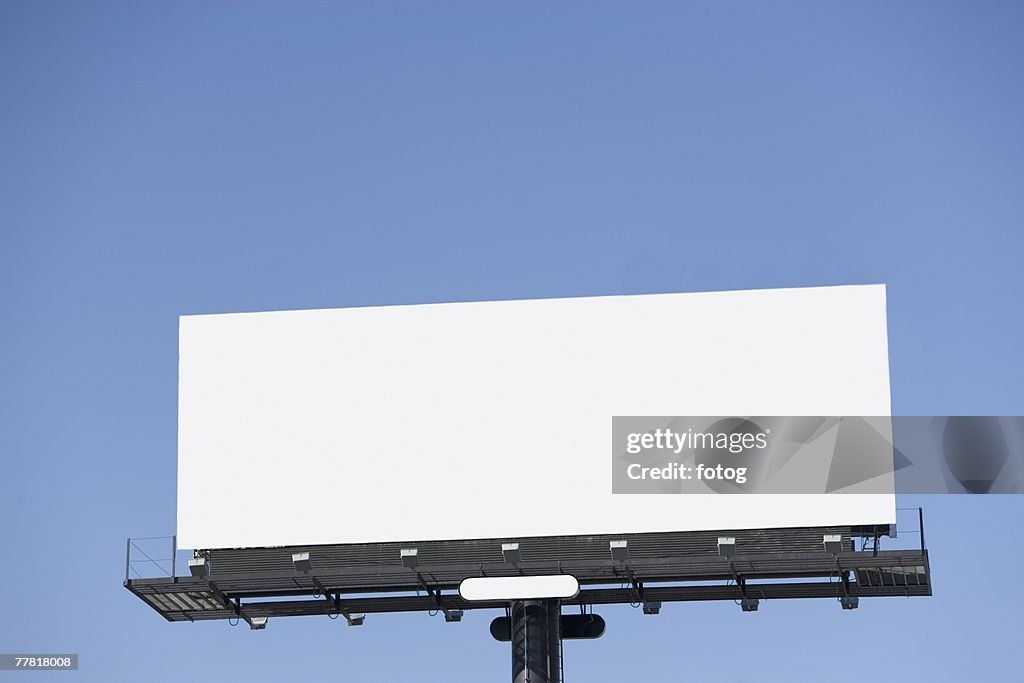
(554, 641)
(536, 641)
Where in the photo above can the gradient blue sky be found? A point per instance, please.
(157, 160)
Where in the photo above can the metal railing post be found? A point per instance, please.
(920, 525)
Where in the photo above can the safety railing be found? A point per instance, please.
(150, 557)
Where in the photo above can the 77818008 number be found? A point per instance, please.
(42, 662)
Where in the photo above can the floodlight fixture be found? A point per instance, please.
(198, 567)
(833, 543)
(356, 619)
(619, 550)
(510, 552)
(652, 606)
(727, 546)
(302, 562)
(749, 604)
(849, 602)
(258, 623)
(410, 557)
(453, 616)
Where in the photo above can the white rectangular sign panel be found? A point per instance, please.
(493, 419)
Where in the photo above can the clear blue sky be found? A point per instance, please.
(157, 160)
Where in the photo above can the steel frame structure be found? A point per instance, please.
(348, 580)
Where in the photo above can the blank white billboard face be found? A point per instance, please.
(493, 419)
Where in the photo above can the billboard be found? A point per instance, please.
(494, 419)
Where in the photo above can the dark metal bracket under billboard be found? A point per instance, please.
(843, 563)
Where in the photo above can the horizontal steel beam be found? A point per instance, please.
(230, 589)
(603, 596)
